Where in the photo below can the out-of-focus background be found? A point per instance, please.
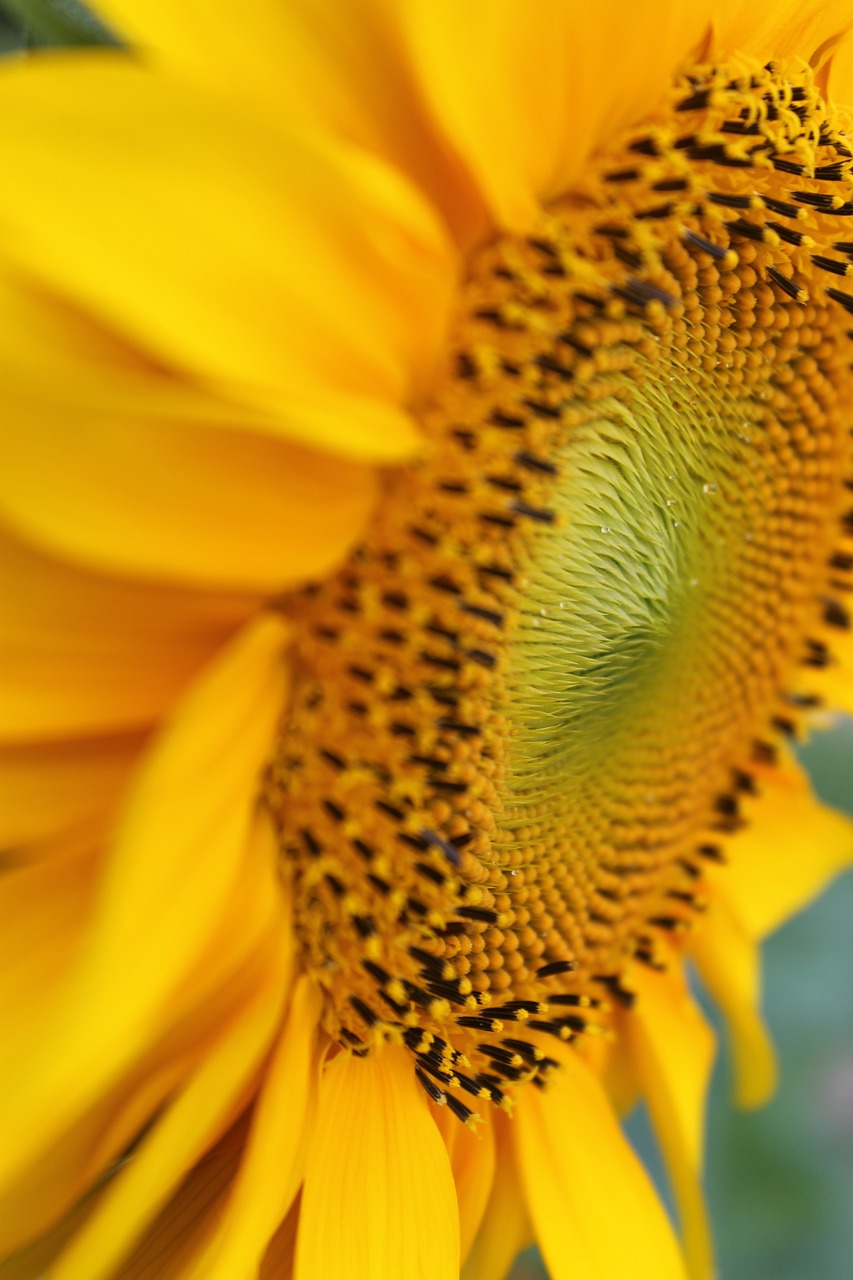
(779, 1181)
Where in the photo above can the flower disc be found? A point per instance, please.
(527, 710)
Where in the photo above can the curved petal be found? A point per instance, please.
(728, 961)
(834, 683)
(840, 73)
(44, 907)
(378, 1198)
(170, 940)
(187, 504)
(179, 1234)
(785, 857)
(279, 1261)
(297, 276)
(595, 1212)
(159, 482)
(673, 1048)
(505, 1228)
(472, 1160)
(48, 789)
(540, 94)
(180, 1137)
(201, 40)
(779, 29)
(84, 654)
(273, 1165)
(342, 69)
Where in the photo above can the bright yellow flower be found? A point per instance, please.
(427, 429)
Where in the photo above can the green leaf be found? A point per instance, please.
(56, 23)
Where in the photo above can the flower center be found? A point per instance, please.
(525, 710)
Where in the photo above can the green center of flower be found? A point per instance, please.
(524, 711)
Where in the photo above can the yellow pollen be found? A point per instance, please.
(539, 697)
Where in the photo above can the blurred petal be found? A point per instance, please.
(167, 934)
(43, 910)
(197, 505)
(791, 848)
(180, 1137)
(377, 1170)
(472, 1160)
(835, 682)
(47, 789)
(673, 1048)
(179, 217)
(505, 1228)
(272, 1168)
(85, 654)
(595, 1212)
(344, 69)
(728, 961)
(163, 480)
(782, 28)
(179, 1234)
(200, 39)
(279, 1261)
(539, 96)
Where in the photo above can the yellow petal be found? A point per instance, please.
(728, 961)
(319, 64)
(179, 1138)
(526, 111)
(181, 1231)
(328, 338)
(673, 1049)
(159, 482)
(43, 908)
(791, 848)
(279, 1261)
(834, 683)
(505, 1228)
(169, 933)
(200, 39)
(595, 1212)
(472, 1160)
(188, 504)
(85, 654)
(60, 1144)
(779, 29)
(378, 1198)
(47, 789)
(272, 1168)
(32, 1261)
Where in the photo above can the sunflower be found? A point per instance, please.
(426, 518)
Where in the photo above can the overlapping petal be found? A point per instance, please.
(379, 1171)
(48, 790)
(544, 88)
(812, 31)
(580, 1177)
(505, 1228)
(472, 1162)
(673, 1049)
(729, 965)
(167, 947)
(333, 275)
(86, 654)
(788, 853)
(167, 482)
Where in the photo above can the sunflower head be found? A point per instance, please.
(455, 527)
(532, 705)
